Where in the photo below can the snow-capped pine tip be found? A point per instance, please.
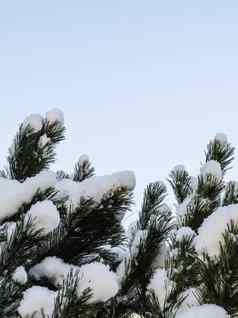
(55, 115)
(35, 121)
(178, 168)
(221, 138)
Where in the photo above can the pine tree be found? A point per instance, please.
(65, 254)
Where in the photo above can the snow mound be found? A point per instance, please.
(55, 115)
(213, 168)
(44, 215)
(20, 275)
(36, 299)
(98, 277)
(204, 311)
(95, 187)
(35, 121)
(215, 224)
(13, 193)
(221, 138)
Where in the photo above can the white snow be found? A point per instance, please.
(97, 276)
(36, 299)
(213, 168)
(161, 285)
(55, 115)
(83, 158)
(181, 209)
(44, 140)
(179, 168)
(100, 279)
(95, 187)
(212, 228)
(13, 193)
(35, 121)
(53, 268)
(190, 299)
(9, 227)
(194, 183)
(44, 215)
(184, 232)
(20, 275)
(140, 236)
(222, 138)
(203, 311)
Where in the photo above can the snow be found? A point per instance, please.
(36, 299)
(212, 228)
(161, 258)
(44, 215)
(184, 232)
(194, 183)
(97, 276)
(44, 140)
(13, 193)
(20, 275)
(140, 236)
(55, 115)
(213, 168)
(83, 158)
(53, 268)
(221, 138)
(95, 187)
(100, 279)
(181, 208)
(190, 299)
(204, 311)
(179, 168)
(35, 121)
(161, 285)
(9, 227)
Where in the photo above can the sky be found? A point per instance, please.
(144, 85)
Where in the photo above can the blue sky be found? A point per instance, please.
(143, 84)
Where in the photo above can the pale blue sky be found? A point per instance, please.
(143, 84)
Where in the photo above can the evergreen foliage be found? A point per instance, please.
(80, 261)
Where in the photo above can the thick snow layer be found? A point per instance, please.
(13, 193)
(44, 140)
(20, 275)
(95, 187)
(184, 232)
(35, 121)
(213, 168)
(212, 228)
(97, 276)
(44, 215)
(36, 299)
(100, 279)
(55, 115)
(204, 311)
(53, 268)
(222, 138)
(161, 285)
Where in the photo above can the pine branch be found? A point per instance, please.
(221, 152)
(69, 303)
(83, 170)
(28, 156)
(180, 182)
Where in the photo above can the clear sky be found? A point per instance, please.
(143, 84)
